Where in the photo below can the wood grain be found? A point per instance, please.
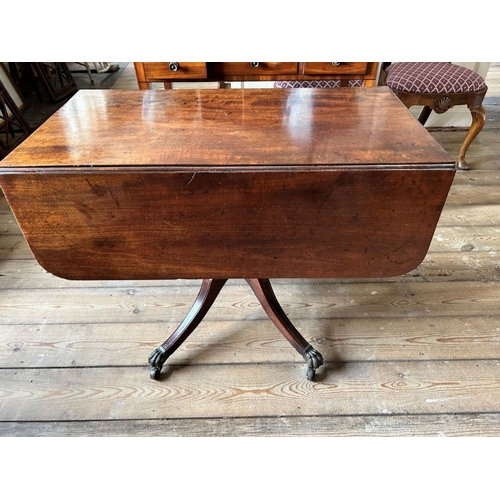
(229, 225)
(445, 425)
(325, 68)
(250, 390)
(314, 300)
(215, 341)
(237, 127)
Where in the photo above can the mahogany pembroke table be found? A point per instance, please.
(220, 184)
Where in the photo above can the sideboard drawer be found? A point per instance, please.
(335, 68)
(152, 72)
(174, 70)
(232, 69)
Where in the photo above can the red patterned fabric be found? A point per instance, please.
(314, 84)
(424, 77)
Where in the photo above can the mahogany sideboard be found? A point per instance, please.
(220, 184)
(168, 72)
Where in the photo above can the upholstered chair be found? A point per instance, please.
(439, 86)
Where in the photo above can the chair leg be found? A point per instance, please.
(478, 119)
(424, 114)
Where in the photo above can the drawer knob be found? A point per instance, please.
(336, 64)
(254, 64)
(173, 66)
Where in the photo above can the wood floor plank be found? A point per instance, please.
(482, 153)
(218, 391)
(479, 178)
(482, 239)
(258, 341)
(468, 214)
(447, 425)
(14, 246)
(467, 181)
(466, 265)
(8, 225)
(4, 206)
(466, 195)
(311, 300)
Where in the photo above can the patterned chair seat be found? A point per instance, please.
(438, 86)
(434, 77)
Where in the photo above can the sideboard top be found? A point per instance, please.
(230, 128)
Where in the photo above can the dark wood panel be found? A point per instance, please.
(164, 225)
(335, 68)
(256, 70)
(311, 128)
(176, 70)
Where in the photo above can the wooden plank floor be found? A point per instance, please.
(417, 355)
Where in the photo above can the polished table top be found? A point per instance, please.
(229, 183)
(238, 127)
